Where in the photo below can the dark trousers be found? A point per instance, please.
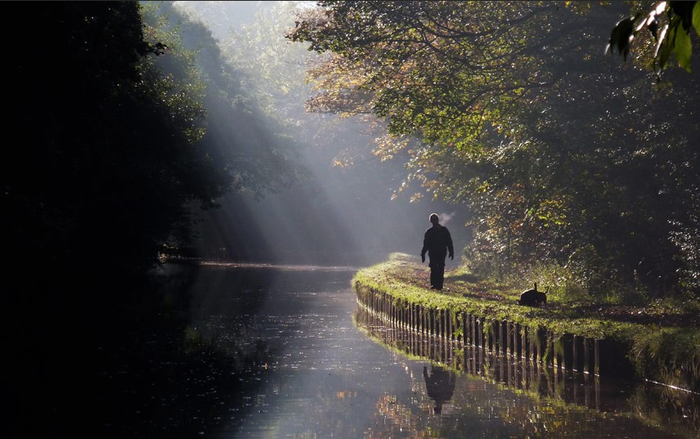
(437, 273)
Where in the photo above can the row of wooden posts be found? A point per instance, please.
(565, 385)
(498, 337)
(560, 366)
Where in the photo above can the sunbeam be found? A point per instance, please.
(332, 215)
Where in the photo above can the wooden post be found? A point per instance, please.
(509, 334)
(596, 358)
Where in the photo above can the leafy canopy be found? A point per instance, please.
(447, 70)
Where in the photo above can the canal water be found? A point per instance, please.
(290, 354)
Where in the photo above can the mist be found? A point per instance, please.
(335, 213)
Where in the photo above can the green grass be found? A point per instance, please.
(400, 277)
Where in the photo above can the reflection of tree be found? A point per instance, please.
(440, 385)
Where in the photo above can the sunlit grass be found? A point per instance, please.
(401, 276)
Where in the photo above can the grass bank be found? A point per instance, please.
(657, 343)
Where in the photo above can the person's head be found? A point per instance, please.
(434, 218)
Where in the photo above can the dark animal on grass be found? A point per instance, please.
(533, 297)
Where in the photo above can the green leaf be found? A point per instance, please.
(696, 18)
(682, 46)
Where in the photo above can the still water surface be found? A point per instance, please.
(312, 364)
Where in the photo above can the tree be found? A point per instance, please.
(424, 70)
(99, 166)
(113, 143)
(562, 157)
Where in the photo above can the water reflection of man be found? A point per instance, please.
(437, 242)
(440, 384)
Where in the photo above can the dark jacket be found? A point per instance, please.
(437, 242)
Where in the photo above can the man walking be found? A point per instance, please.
(437, 242)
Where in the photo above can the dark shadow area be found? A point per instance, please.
(467, 277)
(112, 368)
